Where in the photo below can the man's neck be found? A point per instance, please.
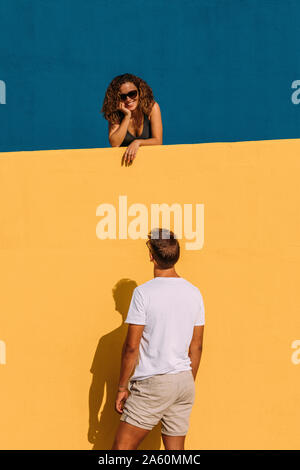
(165, 272)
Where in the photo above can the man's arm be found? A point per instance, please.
(195, 349)
(130, 353)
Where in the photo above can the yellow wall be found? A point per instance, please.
(57, 306)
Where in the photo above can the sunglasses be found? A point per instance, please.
(132, 94)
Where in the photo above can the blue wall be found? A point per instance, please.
(221, 70)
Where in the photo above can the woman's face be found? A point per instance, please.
(130, 103)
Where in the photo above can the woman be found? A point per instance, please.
(134, 116)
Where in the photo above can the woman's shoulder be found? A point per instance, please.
(155, 108)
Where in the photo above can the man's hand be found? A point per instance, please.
(131, 152)
(120, 400)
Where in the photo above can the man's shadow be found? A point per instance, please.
(106, 372)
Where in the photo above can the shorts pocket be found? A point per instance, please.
(161, 392)
(139, 388)
(190, 389)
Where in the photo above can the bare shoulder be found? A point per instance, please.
(155, 111)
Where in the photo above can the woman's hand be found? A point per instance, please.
(124, 110)
(120, 400)
(131, 152)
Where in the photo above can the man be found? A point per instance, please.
(166, 323)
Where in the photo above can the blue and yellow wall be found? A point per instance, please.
(225, 75)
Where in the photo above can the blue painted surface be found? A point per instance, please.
(221, 70)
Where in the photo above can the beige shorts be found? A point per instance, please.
(167, 398)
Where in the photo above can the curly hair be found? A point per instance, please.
(112, 99)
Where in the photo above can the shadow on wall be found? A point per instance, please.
(106, 372)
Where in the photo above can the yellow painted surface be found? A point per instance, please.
(59, 314)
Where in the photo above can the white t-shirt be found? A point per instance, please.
(169, 307)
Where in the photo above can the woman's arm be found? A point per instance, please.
(117, 132)
(156, 139)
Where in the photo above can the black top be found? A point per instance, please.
(146, 133)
